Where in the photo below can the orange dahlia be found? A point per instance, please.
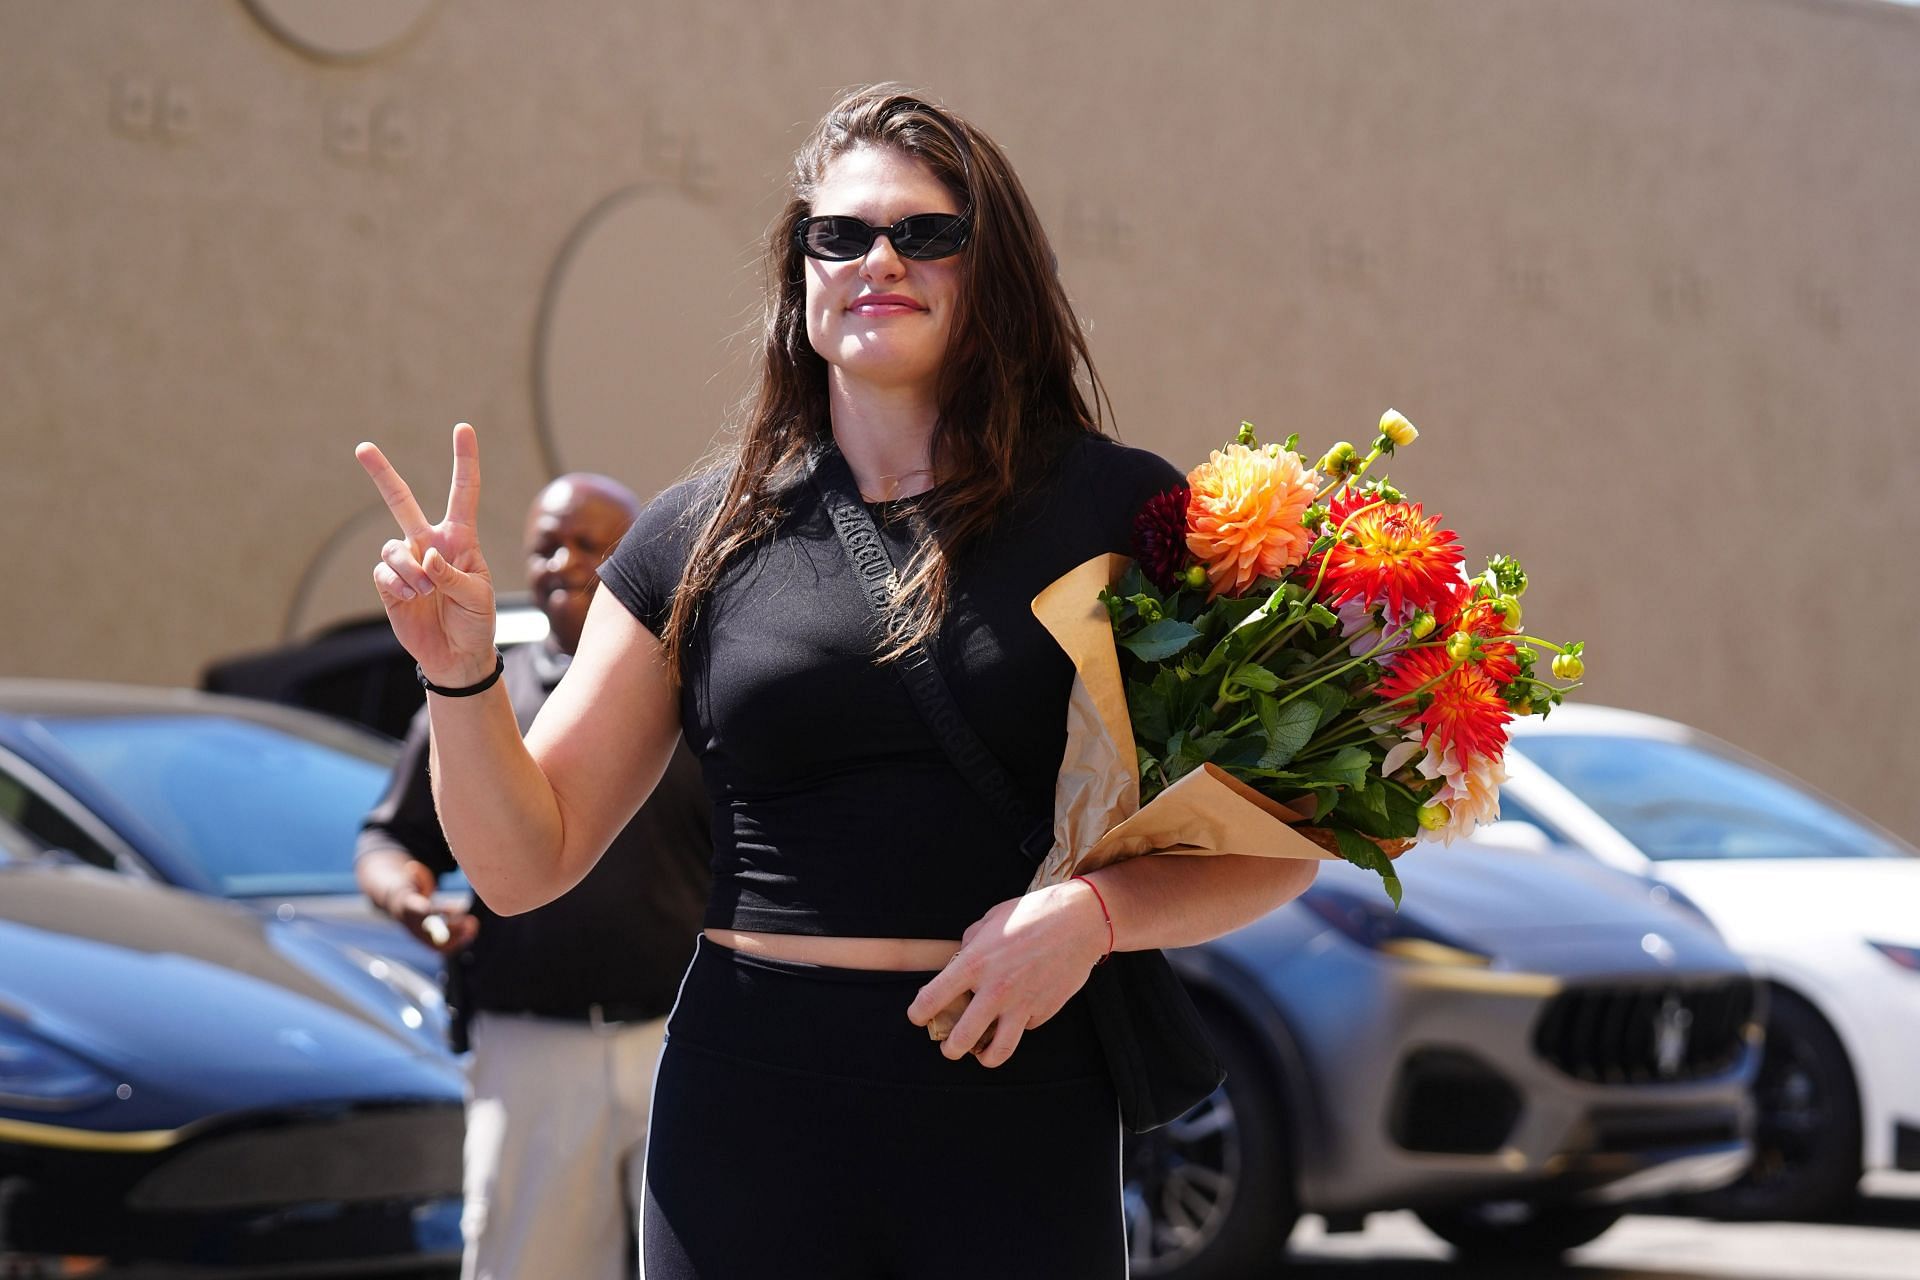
(1243, 516)
(1466, 714)
(1393, 554)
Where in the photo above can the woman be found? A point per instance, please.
(804, 1122)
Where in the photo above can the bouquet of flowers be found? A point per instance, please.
(1295, 664)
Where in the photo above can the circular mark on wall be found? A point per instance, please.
(645, 338)
(342, 30)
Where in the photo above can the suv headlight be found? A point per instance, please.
(1378, 927)
(35, 1075)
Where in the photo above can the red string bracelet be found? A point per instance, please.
(1099, 898)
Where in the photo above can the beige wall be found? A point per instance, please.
(1642, 271)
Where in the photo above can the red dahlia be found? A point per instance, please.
(1160, 537)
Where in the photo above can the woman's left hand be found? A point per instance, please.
(1019, 963)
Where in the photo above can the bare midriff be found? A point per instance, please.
(904, 954)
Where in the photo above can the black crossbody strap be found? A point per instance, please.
(873, 566)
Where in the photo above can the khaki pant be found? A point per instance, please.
(556, 1133)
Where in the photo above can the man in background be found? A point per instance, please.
(564, 1007)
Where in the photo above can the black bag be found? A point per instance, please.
(1156, 1047)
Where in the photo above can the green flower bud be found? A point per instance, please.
(1395, 427)
(1338, 460)
(1460, 646)
(1195, 576)
(1567, 666)
(1434, 815)
(1246, 436)
(1524, 707)
(1511, 608)
(1390, 494)
(1423, 624)
(1511, 577)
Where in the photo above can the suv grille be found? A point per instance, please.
(1646, 1032)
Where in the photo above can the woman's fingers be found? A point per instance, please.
(1006, 1033)
(394, 492)
(387, 583)
(463, 499)
(462, 588)
(398, 557)
(951, 984)
(971, 1030)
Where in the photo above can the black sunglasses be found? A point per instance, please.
(921, 236)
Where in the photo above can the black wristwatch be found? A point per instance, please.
(465, 691)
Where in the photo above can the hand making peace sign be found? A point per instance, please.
(433, 581)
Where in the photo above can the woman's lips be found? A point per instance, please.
(885, 305)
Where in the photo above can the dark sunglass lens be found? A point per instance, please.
(836, 238)
(932, 235)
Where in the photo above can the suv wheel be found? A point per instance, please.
(1210, 1196)
(1519, 1230)
(1806, 1142)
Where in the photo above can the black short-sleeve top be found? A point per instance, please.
(836, 811)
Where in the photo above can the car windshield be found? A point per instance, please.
(1674, 801)
(262, 811)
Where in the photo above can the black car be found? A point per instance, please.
(188, 1087)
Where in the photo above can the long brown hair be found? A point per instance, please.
(1008, 397)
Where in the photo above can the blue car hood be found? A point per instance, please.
(197, 1000)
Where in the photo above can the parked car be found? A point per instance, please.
(229, 797)
(190, 1086)
(1823, 903)
(1531, 1043)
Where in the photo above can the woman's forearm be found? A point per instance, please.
(497, 808)
(1174, 900)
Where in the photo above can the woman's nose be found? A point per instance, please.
(882, 263)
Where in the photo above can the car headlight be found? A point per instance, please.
(1378, 927)
(37, 1076)
(1906, 957)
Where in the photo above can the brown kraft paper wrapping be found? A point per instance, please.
(1097, 818)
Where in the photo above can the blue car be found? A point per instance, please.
(229, 797)
(189, 1087)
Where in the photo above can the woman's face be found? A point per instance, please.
(883, 319)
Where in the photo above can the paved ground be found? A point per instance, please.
(1880, 1241)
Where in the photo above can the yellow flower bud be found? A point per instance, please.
(1395, 427)
(1568, 667)
(1423, 624)
(1460, 646)
(1434, 816)
(1511, 607)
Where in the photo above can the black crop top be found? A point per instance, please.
(835, 810)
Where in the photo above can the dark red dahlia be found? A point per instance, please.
(1160, 538)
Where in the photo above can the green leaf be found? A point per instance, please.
(1362, 852)
(1185, 754)
(1252, 677)
(1330, 701)
(1147, 707)
(1287, 727)
(1348, 767)
(1160, 640)
(1132, 582)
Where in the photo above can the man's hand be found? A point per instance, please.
(407, 895)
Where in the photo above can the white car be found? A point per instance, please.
(1822, 903)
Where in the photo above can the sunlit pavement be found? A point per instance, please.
(1879, 1241)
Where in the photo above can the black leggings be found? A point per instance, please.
(802, 1127)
